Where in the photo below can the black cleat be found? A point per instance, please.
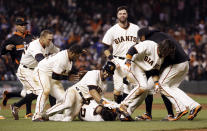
(15, 111)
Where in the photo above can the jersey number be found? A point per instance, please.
(83, 112)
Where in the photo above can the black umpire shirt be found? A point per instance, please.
(180, 55)
(18, 40)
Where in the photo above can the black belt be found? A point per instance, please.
(85, 100)
(122, 58)
(28, 67)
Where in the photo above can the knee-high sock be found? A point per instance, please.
(13, 94)
(148, 102)
(26, 100)
(168, 105)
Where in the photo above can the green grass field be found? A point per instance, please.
(199, 123)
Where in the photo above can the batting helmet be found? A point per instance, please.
(109, 67)
(108, 114)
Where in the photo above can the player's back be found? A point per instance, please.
(180, 55)
(91, 78)
(147, 57)
(59, 61)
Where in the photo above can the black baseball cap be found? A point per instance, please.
(20, 21)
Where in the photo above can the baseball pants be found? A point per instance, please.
(118, 77)
(72, 102)
(45, 86)
(25, 77)
(170, 80)
(136, 96)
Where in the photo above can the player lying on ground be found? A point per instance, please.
(91, 111)
(91, 86)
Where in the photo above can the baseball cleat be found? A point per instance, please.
(15, 111)
(168, 118)
(5, 98)
(28, 116)
(123, 114)
(194, 112)
(2, 118)
(178, 116)
(144, 117)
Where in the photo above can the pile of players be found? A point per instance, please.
(143, 62)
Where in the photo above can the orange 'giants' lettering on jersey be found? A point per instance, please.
(125, 38)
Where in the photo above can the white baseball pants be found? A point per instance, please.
(45, 86)
(170, 80)
(72, 101)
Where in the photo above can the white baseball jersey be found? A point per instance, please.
(121, 39)
(87, 112)
(91, 78)
(58, 63)
(34, 48)
(147, 57)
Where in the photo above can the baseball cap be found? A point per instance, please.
(20, 21)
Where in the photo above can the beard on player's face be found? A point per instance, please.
(122, 19)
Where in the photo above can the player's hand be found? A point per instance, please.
(74, 77)
(10, 47)
(116, 63)
(82, 73)
(112, 105)
(127, 65)
(109, 104)
(157, 87)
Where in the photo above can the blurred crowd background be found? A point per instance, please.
(85, 22)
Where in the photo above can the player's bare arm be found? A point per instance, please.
(94, 93)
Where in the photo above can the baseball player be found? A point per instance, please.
(48, 74)
(91, 111)
(95, 112)
(33, 53)
(149, 57)
(120, 37)
(168, 80)
(91, 86)
(15, 47)
(157, 36)
(174, 70)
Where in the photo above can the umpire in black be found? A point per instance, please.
(158, 36)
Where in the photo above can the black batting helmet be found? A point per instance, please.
(109, 67)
